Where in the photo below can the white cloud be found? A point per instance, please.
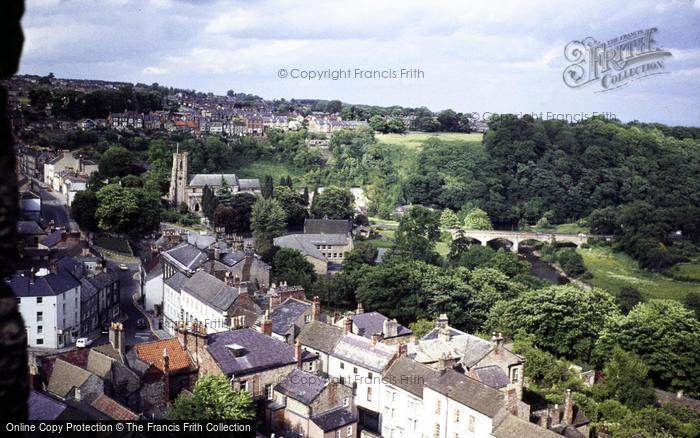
(152, 70)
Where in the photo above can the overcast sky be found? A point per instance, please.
(493, 56)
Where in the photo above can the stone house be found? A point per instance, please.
(375, 325)
(289, 318)
(305, 404)
(489, 362)
(320, 338)
(70, 382)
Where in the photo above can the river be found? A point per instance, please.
(540, 268)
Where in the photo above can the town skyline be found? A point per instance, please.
(470, 63)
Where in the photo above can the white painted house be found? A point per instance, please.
(50, 307)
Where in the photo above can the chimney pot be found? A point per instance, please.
(316, 309)
(297, 353)
(266, 326)
(347, 326)
(360, 309)
(568, 408)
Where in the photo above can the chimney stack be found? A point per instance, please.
(316, 309)
(53, 267)
(217, 252)
(266, 327)
(166, 375)
(445, 361)
(511, 399)
(568, 408)
(442, 321)
(228, 279)
(377, 337)
(497, 342)
(116, 337)
(347, 326)
(403, 349)
(390, 328)
(297, 353)
(360, 309)
(444, 334)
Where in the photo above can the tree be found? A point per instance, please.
(475, 256)
(666, 336)
(571, 262)
(293, 204)
(692, 302)
(417, 234)
(241, 205)
(334, 106)
(448, 220)
(564, 319)
(421, 327)
(115, 161)
(334, 203)
(213, 399)
(268, 220)
(83, 209)
(477, 219)
(116, 208)
(267, 186)
(625, 379)
(627, 298)
(209, 202)
(291, 266)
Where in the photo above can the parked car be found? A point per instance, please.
(141, 324)
(83, 342)
(123, 267)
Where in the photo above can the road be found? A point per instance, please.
(53, 206)
(129, 287)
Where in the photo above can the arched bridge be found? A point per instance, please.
(515, 237)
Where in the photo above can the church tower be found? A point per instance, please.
(178, 178)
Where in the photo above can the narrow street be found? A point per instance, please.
(129, 286)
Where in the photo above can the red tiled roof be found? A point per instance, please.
(152, 352)
(112, 409)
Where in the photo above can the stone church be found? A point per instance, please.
(188, 188)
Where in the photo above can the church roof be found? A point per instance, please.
(212, 180)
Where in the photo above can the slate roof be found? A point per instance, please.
(408, 375)
(334, 419)
(469, 348)
(43, 286)
(28, 228)
(360, 351)
(327, 226)
(467, 391)
(176, 281)
(260, 352)
(515, 427)
(87, 290)
(249, 184)
(285, 314)
(326, 239)
(44, 407)
(201, 241)
(210, 290)
(186, 256)
(492, 376)
(65, 377)
(104, 279)
(298, 242)
(369, 323)
(302, 386)
(99, 363)
(112, 409)
(152, 352)
(53, 238)
(320, 336)
(212, 180)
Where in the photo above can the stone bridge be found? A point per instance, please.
(515, 237)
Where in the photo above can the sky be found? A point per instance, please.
(477, 57)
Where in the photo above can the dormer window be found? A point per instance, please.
(236, 349)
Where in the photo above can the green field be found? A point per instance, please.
(571, 228)
(613, 271)
(258, 169)
(686, 271)
(114, 244)
(402, 149)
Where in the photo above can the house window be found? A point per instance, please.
(268, 391)
(312, 366)
(414, 423)
(515, 375)
(369, 376)
(39, 341)
(438, 406)
(39, 329)
(337, 433)
(436, 430)
(471, 423)
(342, 365)
(342, 380)
(39, 316)
(456, 415)
(369, 394)
(19, 300)
(246, 386)
(307, 319)
(349, 431)
(39, 300)
(346, 402)
(354, 370)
